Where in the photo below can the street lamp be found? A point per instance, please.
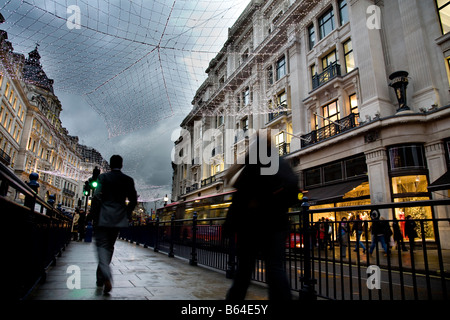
(399, 83)
(166, 199)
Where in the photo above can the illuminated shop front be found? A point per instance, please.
(338, 184)
(345, 183)
(408, 176)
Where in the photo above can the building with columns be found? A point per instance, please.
(324, 77)
(32, 138)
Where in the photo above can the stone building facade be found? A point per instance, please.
(32, 138)
(322, 75)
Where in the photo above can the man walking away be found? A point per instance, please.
(110, 213)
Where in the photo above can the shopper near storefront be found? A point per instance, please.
(358, 230)
(410, 231)
(378, 231)
(343, 236)
(398, 236)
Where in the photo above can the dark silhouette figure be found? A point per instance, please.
(81, 224)
(398, 236)
(258, 219)
(410, 231)
(110, 213)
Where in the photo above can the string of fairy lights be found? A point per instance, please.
(136, 62)
(140, 62)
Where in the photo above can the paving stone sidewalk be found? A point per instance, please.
(138, 274)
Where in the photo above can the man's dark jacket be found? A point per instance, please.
(109, 205)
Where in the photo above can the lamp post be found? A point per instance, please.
(34, 185)
(399, 81)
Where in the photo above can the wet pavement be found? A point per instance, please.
(138, 274)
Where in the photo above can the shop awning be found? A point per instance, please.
(442, 183)
(332, 192)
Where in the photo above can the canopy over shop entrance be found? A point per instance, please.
(442, 183)
(332, 193)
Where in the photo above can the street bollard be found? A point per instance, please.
(193, 260)
(307, 292)
(155, 249)
(172, 224)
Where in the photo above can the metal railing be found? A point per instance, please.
(315, 269)
(5, 158)
(39, 233)
(331, 72)
(330, 130)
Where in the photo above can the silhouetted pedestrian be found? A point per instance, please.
(81, 225)
(378, 232)
(258, 217)
(110, 213)
(410, 231)
(343, 236)
(398, 236)
(358, 229)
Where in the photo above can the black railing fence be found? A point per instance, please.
(35, 234)
(326, 268)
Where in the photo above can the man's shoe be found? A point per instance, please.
(108, 287)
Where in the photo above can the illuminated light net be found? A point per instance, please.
(136, 62)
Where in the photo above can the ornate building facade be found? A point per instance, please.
(32, 138)
(324, 77)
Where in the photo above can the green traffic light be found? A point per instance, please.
(85, 192)
(94, 184)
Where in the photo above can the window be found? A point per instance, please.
(246, 96)
(279, 138)
(329, 59)
(348, 56)
(444, 15)
(332, 172)
(356, 167)
(311, 36)
(7, 90)
(406, 157)
(281, 68)
(244, 56)
(312, 177)
(331, 112)
(343, 12)
(353, 104)
(270, 75)
(343, 170)
(326, 23)
(281, 99)
(313, 70)
(244, 124)
(219, 121)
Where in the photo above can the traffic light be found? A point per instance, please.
(86, 188)
(93, 180)
(93, 183)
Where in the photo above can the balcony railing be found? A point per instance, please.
(275, 115)
(4, 158)
(69, 192)
(330, 130)
(283, 148)
(331, 72)
(208, 181)
(192, 188)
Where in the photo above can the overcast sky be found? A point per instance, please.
(126, 77)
